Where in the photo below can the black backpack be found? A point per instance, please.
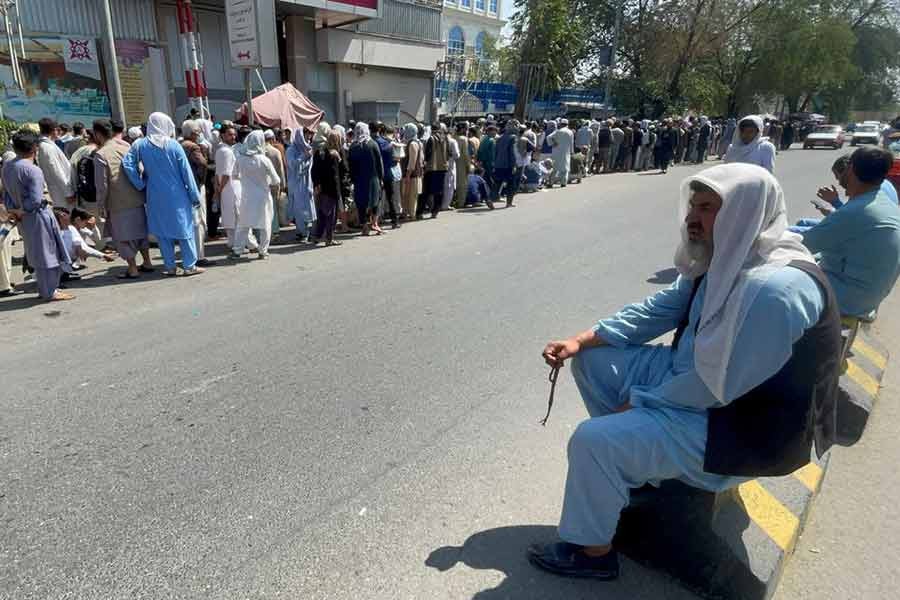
(85, 187)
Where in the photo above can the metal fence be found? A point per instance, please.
(416, 20)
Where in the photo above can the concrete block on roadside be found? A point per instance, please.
(735, 544)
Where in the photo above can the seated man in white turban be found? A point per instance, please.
(747, 385)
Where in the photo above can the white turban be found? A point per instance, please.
(160, 129)
(750, 243)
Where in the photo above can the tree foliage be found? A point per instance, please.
(719, 56)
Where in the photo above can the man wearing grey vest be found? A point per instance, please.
(747, 387)
(119, 202)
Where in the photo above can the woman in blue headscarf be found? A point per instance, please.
(301, 208)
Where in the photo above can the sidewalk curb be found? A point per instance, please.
(735, 544)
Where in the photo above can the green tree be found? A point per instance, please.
(548, 39)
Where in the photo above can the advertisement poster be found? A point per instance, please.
(61, 80)
(136, 79)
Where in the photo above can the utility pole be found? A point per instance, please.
(115, 86)
(248, 90)
(612, 56)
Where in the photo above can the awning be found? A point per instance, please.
(283, 107)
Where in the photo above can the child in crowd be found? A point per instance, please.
(70, 227)
(578, 164)
(477, 190)
(533, 175)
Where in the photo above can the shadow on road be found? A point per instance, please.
(503, 549)
(664, 277)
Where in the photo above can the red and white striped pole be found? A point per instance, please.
(194, 77)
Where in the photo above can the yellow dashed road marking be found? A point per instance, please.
(772, 516)
(862, 379)
(810, 476)
(871, 353)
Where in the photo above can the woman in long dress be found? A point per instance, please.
(367, 172)
(450, 179)
(257, 175)
(299, 185)
(413, 169)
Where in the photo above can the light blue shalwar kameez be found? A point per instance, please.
(299, 184)
(172, 195)
(859, 250)
(664, 435)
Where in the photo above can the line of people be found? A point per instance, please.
(182, 187)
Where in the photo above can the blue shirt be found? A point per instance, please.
(886, 186)
(476, 189)
(787, 304)
(171, 189)
(859, 248)
(387, 156)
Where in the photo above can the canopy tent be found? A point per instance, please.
(283, 107)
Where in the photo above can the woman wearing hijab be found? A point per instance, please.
(343, 202)
(326, 177)
(451, 179)
(257, 175)
(299, 185)
(748, 145)
(413, 169)
(158, 164)
(367, 172)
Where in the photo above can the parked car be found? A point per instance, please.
(866, 133)
(831, 136)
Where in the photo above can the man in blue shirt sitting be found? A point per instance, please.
(859, 245)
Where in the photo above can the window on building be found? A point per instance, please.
(465, 3)
(492, 6)
(456, 42)
(450, 2)
(479, 5)
(479, 44)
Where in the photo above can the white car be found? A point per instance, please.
(829, 136)
(866, 133)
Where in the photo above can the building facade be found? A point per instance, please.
(356, 59)
(469, 24)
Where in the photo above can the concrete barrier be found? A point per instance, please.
(735, 544)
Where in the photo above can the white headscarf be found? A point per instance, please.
(739, 151)
(160, 129)
(361, 132)
(254, 144)
(751, 242)
(135, 133)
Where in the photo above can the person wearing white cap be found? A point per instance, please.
(747, 386)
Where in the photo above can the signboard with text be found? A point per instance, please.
(251, 33)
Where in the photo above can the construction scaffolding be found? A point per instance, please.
(455, 79)
(12, 31)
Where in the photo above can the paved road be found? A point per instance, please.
(354, 422)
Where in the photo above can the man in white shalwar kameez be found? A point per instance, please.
(563, 143)
(748, 291)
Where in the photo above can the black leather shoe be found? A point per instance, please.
(563, 558)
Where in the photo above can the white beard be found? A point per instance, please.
(701, 253)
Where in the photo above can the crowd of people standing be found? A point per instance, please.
(74, 192)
